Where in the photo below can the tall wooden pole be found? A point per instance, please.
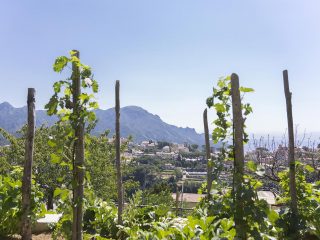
(291, 161)
(208, 152)
(177, 200)
(238, 157)
(78, 166)
(118, 160)
(27, 171)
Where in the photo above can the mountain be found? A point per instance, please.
(143, 125)
(135, 121)
(12, 119)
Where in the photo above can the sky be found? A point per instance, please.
(169, 54)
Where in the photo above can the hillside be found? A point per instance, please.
(135, 121)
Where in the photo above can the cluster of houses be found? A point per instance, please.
(164, 150)
(152, 148)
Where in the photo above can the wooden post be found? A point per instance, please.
(78, 166)
(177, 200)
(238, 157)
(208, 153)
(181, 205)
(291, 161)
(118, 160)
(27, 171)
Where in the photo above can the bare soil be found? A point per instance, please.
(42, 236)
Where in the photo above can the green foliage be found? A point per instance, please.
(71, 113)
(62, 104)
(64, 225)
(47, 173)
(221, 102)
(60, 63)
(197, 226)
(10, 202)
(255, 213)
(100, 217)
(100, 162)
(99, 220)
(191, 186)
(308, 202)
(158, 204)
(12, 154)
(260, 219)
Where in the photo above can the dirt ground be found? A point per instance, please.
(42, 236)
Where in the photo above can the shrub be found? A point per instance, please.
(10, 202)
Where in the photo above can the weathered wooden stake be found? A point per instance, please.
(238, 157)
(177, 200)
(118, 160)
(291, 161)
(208, 153)
(78, 166)
(27, 171)
(182, 205)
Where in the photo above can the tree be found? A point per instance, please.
(51, 175)
(194, 147)
(100, 164)
(47, 173)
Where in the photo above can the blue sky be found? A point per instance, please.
(169, 54)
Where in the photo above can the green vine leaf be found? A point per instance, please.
(60, 63)
(95, 86)
(245, 89)
(55, 158)
(252, 166)
(220, 107)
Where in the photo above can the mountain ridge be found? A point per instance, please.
(134, 120)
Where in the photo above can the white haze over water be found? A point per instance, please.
(308, 139)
